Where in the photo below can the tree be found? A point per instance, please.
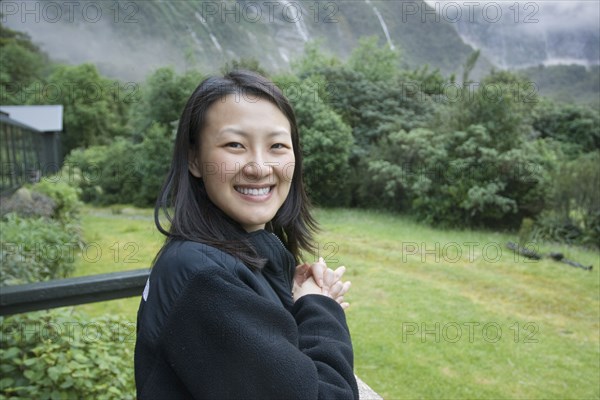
(92, 114)
(106, 174)
(250, 64)
(162, 99)
(313, 59)
(502, 103)
(22, 64)
(426, 81)
(326, 143)
(154, 158)
(456, 178)
(577, 127)
(377, 64)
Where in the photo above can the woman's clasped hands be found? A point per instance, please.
(319, 279)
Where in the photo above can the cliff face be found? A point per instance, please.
(133, 38)
(523, 34)
(129, 39)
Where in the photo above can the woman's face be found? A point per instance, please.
(246, 159)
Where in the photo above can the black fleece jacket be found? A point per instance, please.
(211, 328)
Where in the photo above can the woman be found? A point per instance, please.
(225, 313)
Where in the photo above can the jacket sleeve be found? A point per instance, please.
(224, 341)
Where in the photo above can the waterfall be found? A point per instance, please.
(299, 22)
(546, 47)
(283, 54)
(504, 58)
(382, 23)
(200, 18)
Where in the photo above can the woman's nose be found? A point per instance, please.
(257, 169)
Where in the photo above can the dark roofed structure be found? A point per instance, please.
(29, 143)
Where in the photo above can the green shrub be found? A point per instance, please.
(121, 176)
(105, 174)
(455, 178)
(83, 169)
(64, 195)
(123, 172)
(550, 227)
(154, 159)
(591, 234)
(59, 355)
(573, 211)
(34, 250)
(577, 127)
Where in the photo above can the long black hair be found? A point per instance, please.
(194, 216)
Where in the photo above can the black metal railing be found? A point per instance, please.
(71, 291)
(19, 154)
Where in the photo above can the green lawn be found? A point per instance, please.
(434, 313)
(116, 242)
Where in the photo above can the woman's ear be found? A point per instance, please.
(194, 165)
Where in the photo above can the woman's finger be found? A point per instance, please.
(318, 271)
(345, 288)
(339, 272)
(302, 273)
(302, 269)
(329, 278)
(336, 289)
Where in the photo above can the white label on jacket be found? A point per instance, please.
(146, 290)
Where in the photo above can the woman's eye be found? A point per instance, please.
(279, 146)
(235, 145)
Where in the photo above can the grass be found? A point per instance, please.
(118, 238)
(434, 313)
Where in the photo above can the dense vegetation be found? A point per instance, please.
(375, 134)
(567, 83)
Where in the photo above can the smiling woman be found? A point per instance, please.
(244, 158)
(229, 311)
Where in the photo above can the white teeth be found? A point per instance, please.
(252, 191)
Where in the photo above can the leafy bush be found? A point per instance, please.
(65, 196)
(120, 174)
(456, 178)
(502, 103)
(83, 168)
(591, 234)
(549, 227)
(105, 174)
(59, 355)
(124, 172)
(154, 159)
(577, 127)
(573, 212)
(34, 250)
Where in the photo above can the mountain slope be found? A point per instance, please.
(130, 40)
